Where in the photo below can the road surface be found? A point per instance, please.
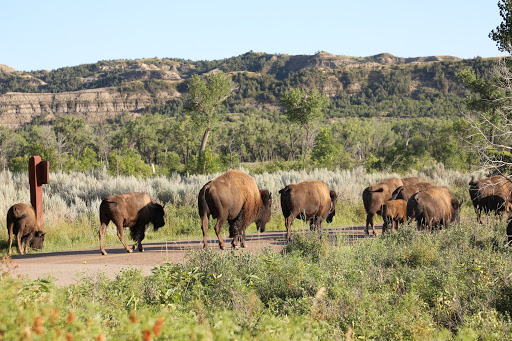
(68, 267)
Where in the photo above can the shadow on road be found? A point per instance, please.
(352, 233)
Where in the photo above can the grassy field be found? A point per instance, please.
(71, 201)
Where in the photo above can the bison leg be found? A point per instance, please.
(138, 232)
(316, 224)
(10, 228)
(218, 225)
(369, 222)
(478, 211)
(101, 235)
(121, 237)
(288, 223)
(19, 240)
(204, 227)
(242, 239)
(26, 241)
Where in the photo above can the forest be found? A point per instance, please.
(378, 115)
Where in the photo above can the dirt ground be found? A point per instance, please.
(69, 266)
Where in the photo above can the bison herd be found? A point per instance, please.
(235, 198)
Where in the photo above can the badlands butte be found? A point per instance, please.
(104, 90)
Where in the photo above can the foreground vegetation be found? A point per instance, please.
(451, 284)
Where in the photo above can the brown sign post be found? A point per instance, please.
(38, 175)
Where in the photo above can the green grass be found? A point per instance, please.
(453, 284)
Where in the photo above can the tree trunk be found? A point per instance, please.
(205, 138)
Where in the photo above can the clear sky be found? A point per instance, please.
(49, 34)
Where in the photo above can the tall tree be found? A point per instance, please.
(502, 35)
(491, 128)
(205, 95)
(304, 109)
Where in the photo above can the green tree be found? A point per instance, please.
(304, 109)
(502, 35)
(128, 163)
(324, 153)
(205, 95)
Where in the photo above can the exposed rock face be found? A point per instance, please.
(93, 105)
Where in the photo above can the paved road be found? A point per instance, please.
(69, 266)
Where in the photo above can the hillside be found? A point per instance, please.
(381, 85)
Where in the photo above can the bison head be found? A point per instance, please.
(37, 240)
(332, 210)
(265, 211)
(157, 215)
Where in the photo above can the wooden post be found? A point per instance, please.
(38, 175)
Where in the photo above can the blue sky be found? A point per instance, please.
(51, 34)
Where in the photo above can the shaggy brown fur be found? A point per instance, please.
(412, 180)
(133, 210)
(434, 207)
(394, 212)
(22, 223)
(376, 195)
(233, 197)
(309, 200)
(490, 195)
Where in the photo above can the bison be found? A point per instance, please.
(394, 212)
(376, 195)
(406, 191)
(309, 200)
(233, 197)
(434, 207)
(412, 180)
(133, 210)
(490, 194)
(22, 223)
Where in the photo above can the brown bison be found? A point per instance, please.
(376, 195)
(490, 194)
(434, 207)
(233, 197)
(412, 180)
(133, 210)
(394, 212)
(406, 191)
(22, 223)
(309, 200)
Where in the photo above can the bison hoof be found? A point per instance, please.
(141, 250)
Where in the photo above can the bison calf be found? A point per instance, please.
(22, 223)
(309, 200)
(133, 210)
(376, 195)
(394, 212)
(233, 197)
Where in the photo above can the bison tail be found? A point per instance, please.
(283, 190)
(201, 201)
(396, 192)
